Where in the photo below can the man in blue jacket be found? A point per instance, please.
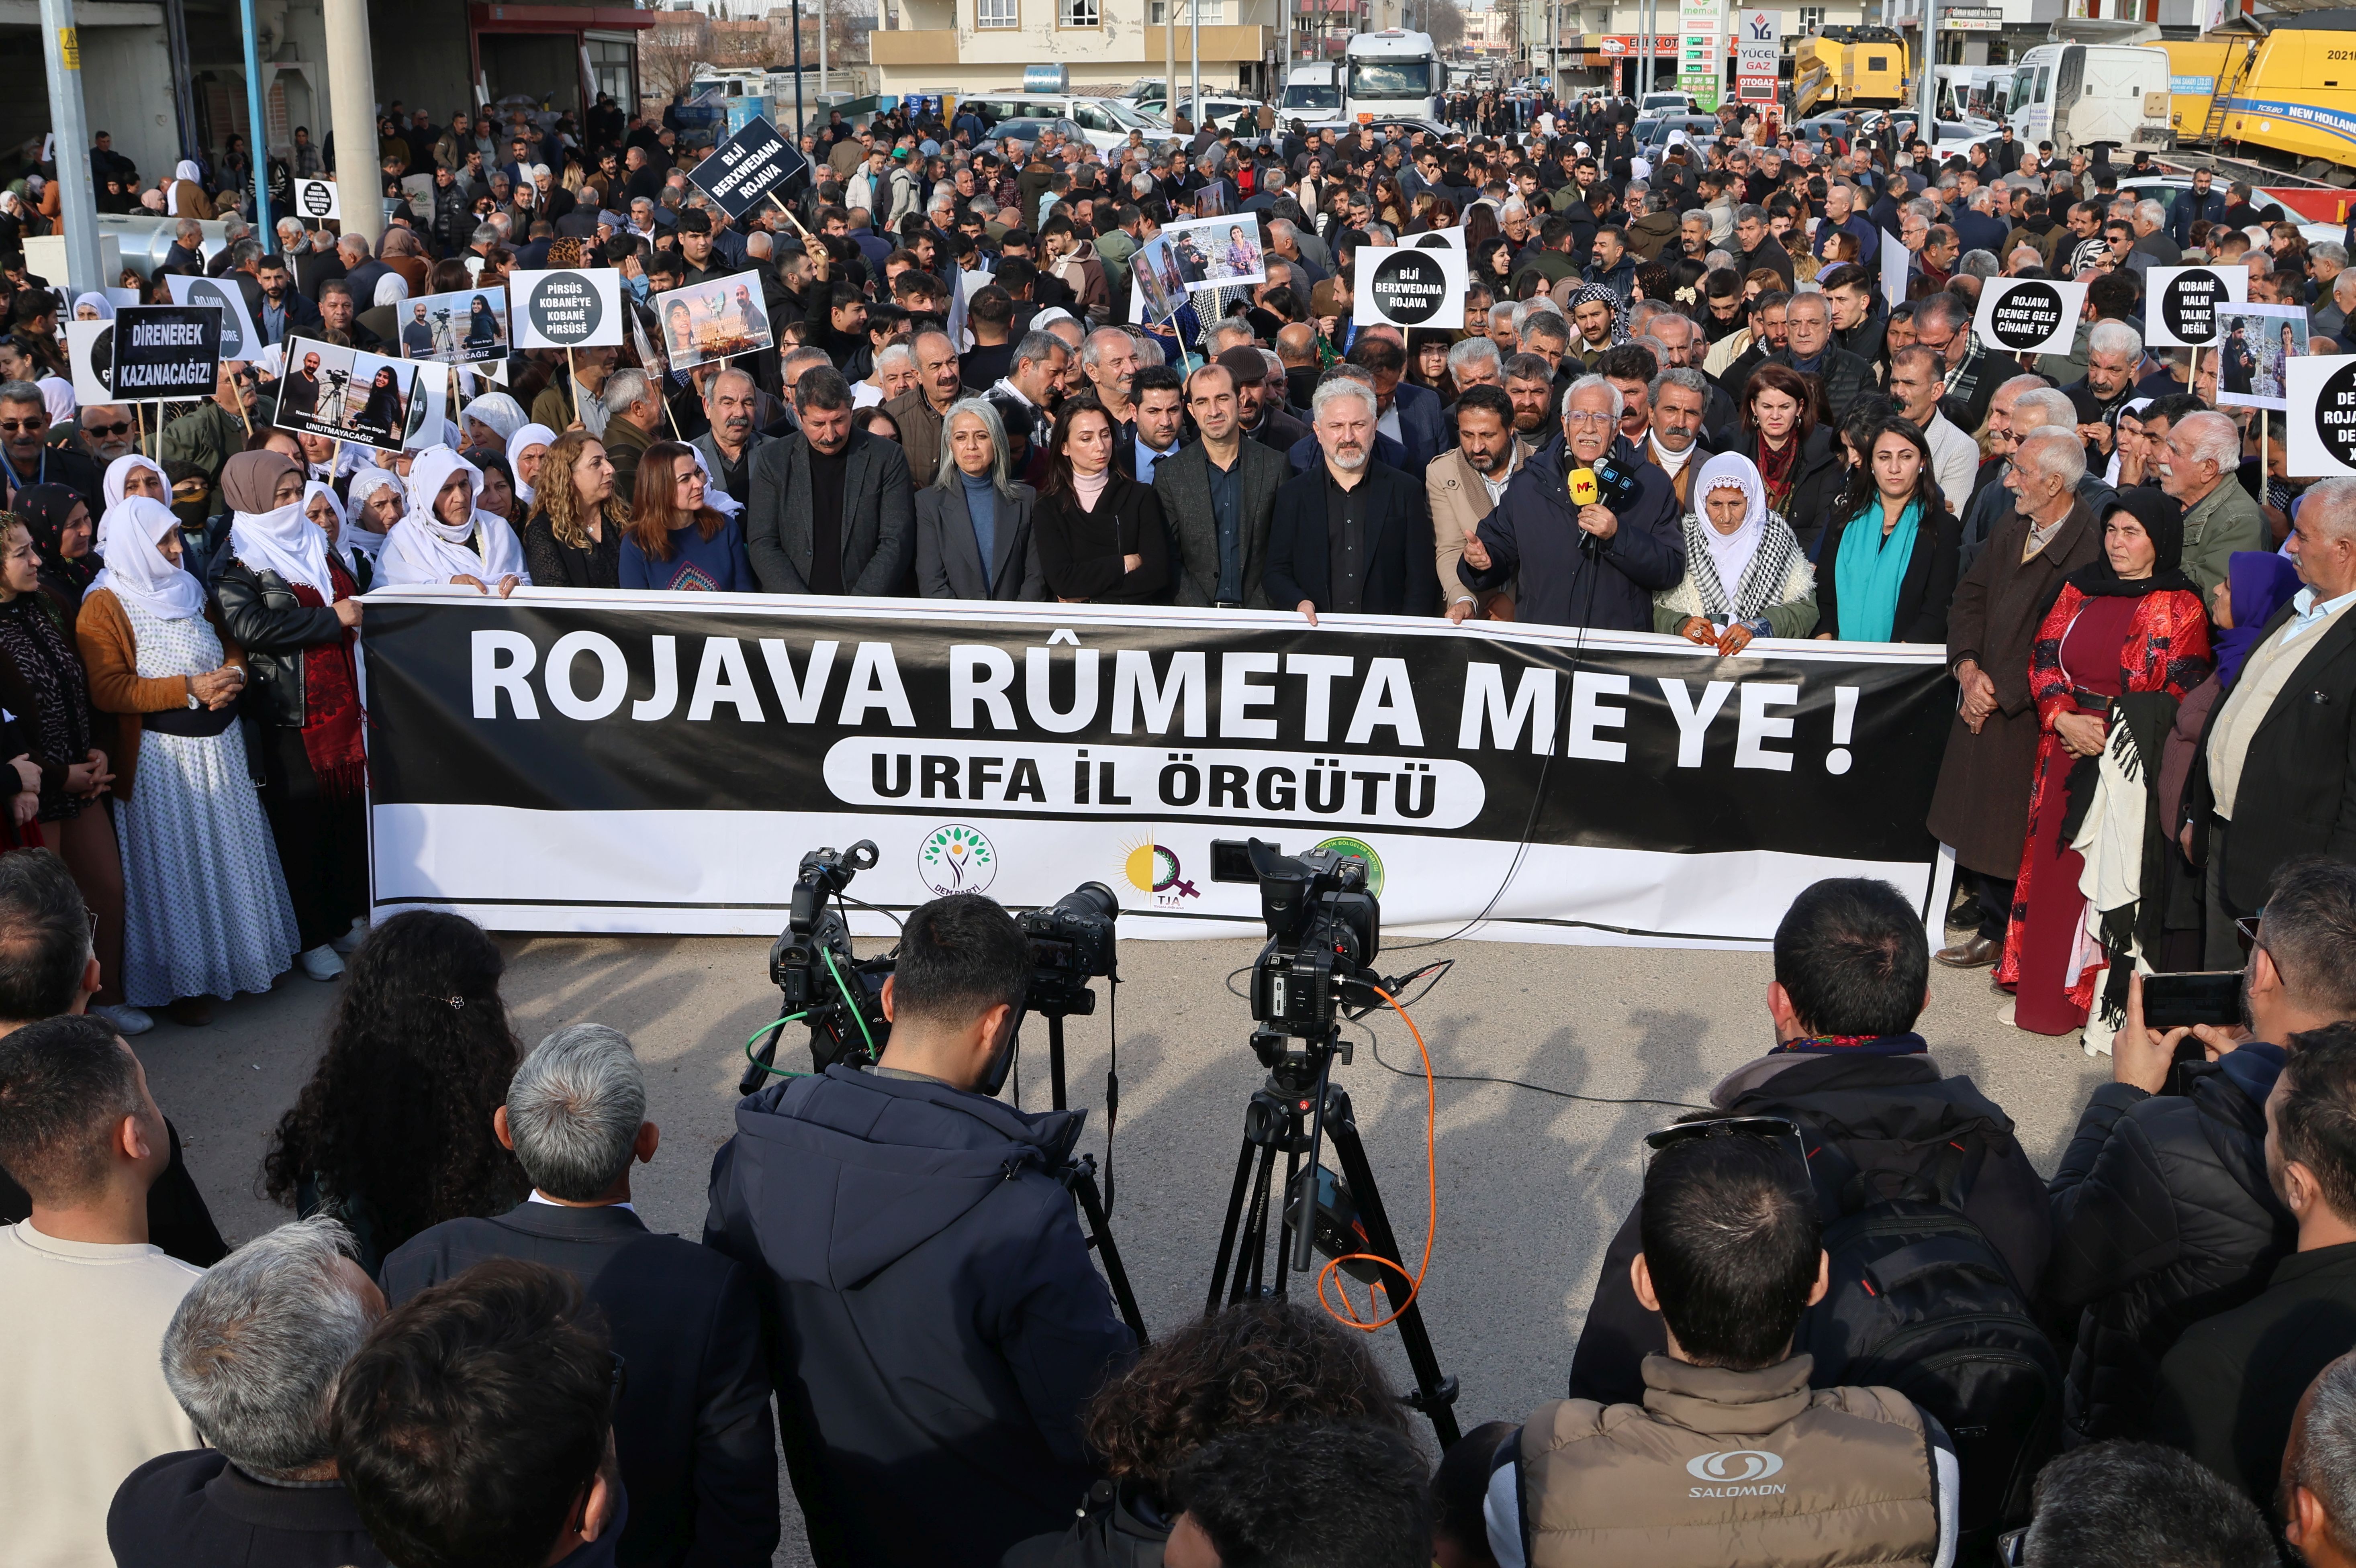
(1582, 565)
(937, 1324)
(2190, 207)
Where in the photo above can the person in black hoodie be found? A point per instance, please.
(1852, 974)
(938, 1325)
(2162, 1210)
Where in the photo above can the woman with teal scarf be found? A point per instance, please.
(1887, 567)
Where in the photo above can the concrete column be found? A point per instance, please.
(351, 103)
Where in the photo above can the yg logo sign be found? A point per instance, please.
(1735, 1465)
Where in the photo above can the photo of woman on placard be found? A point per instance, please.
(2258, 343)
(384, 412)
(679, 329)
(483, 329)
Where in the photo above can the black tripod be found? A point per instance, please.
(1292, 1111)
(1080, 1176)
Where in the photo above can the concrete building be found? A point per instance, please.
(977, 45)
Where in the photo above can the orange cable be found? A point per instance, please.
(1349, 1317)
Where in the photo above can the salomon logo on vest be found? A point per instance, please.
(1737, 1467)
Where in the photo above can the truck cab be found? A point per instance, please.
(1392, 75)
(2082, 96)
(1313, 95)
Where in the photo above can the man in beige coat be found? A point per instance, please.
(1464, 484)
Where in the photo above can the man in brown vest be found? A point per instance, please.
(1731, 1455)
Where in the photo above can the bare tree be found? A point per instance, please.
(1444, 22)
(665, 65)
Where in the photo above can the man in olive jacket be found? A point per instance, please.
(832, 510)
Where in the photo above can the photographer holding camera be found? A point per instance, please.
(939, 1322)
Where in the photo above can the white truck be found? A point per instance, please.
(1392, 75)
(1313, 95)
(2077, 96)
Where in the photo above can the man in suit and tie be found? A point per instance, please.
(1409, 414)
(832, 511)
(2273, 780)
(691, 1429)
(1353, 535)
(1219, 496)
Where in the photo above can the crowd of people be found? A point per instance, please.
(467, 1348)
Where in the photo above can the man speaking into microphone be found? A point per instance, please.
(1588, 531)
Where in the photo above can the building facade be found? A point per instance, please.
(983, 46)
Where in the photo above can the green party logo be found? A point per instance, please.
(956, 858)
(1363, 851)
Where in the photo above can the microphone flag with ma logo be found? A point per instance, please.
(1736, 1472)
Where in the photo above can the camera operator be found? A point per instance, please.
(939, 1324)
(2162, 1213)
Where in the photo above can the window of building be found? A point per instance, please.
(1811, 18)
(1078, 14)
(997, 13)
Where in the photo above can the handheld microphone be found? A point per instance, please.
(1584, 491)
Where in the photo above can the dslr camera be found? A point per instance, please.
(1324, 930)
(1071, 943)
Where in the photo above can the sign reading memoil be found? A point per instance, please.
(2182, 312)
(569, 307)
(743, 169)
(2322, 419)
(2030, 316)
(1408, 288)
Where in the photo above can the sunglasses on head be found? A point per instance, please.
(1784, 1135)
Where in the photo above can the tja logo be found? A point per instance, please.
(1735, 1465)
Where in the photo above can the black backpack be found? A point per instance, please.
(1919, 1301)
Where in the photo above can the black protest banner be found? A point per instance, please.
(565, 308)
(2028, 315)
(166, 351)
(1408, 287)
(2182, 312)
(568, 762)
(742, 170)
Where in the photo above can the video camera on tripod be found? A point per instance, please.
(1324, 928)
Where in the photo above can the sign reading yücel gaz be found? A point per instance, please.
(2030, 316)
(565, 308)
(2184, 300)
(747, 166)
(1408, 288)
(2322, 419)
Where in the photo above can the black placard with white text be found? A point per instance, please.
(560, 760)
(742, 170)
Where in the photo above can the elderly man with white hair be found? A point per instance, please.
(1581, 563)
(1351, 535)
(2204, 453)
(2273, 779)
(1980, 808)
(251, 1355)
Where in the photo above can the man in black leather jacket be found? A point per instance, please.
(2162, 1211)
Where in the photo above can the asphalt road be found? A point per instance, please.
(1531, 1184)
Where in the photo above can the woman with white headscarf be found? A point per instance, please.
(392, 290)
(134, 475)
(58, 397)
(185, 197)
(97, 306)
(442, 537)
(205, 908)
(374, 503)
(492, 419)
(285, 597)
(1746, 575)
(526, 444)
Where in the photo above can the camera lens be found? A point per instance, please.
(1091, 901)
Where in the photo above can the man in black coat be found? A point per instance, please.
(2228, 1391)
(1353, 535)
(1852, 974)
(832, 509)
(691, 1427)
(1809, 349)
(282, 1313)
(1582, 565)
(938, 1325)
(2163, 1212)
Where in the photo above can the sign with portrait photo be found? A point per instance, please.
(1406, 287)
(713, 320)
(2322, 419)
(2181, 309)
(1217, 252)
(2030, 316)
(2256, 343)
(1160, 291)
(566, 307)
(240, 341)
(345, 394)
(463, 327)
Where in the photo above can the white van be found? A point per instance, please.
(1313, 95)
(1392, 75)
(1106, 122)
(2079, 95)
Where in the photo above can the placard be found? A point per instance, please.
(1439, 239)
(90, 353)
(742, 170)
(1896, 266)
(2322, 419)
(2181, 310)
(347, 394)
(1407, 288)
(148, 353)
(713, 320)
(462, 328)
(2030, 316)
(2254, 345)
(566, 307)
(1217, 253)
(240, 341)
(315, 201)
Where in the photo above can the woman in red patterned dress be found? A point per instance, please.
(2129, 622)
